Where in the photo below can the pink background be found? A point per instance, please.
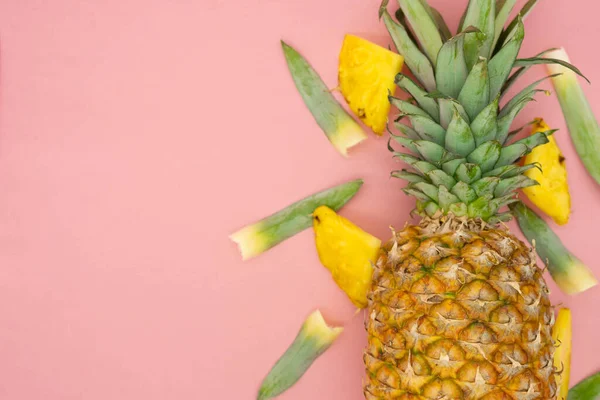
(135, 135)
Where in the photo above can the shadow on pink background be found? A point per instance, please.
(136, 135)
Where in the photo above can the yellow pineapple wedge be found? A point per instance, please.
(552, 194)
(561, 333)
(366, 77)
(347, 252)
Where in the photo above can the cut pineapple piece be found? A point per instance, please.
(561, 334)
(347, 252)
(552, 194)
(366, 76)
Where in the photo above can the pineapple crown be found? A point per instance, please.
(463, 153)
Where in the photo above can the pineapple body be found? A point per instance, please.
(458, 311)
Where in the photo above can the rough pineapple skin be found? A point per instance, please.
(458, 310)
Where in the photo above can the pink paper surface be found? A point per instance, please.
(136, 135)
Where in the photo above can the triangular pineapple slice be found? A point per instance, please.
(347, 252)
(561, 334)
(366, 77)
(552, 194)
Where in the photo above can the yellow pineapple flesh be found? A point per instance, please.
(552, 194)
(366, 78)
(458, 311)
(347, 252)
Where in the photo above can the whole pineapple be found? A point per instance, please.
(458, 308)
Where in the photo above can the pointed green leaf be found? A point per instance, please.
(428, 129)
(486, 155)
(510, 154)
(508, 171)
(535, 140)
(430, 190)
(405, 142)
(451, 69)
(424, 167)
(475, 94)
(451, 166)
(447, 108)
(481, 14)
(529, 91)
(518, 73)
(407, 131)
(481, 208)
(407, 108)
(423, 27)
(464, 192)
(432, 152)
(510, 185)
(484, 126)
(416, 194)
(408, 176)
(485, 186)
(501, 64)
(523, 62)
(512, 26)
(416, 61)
(432, 208)
(459, 138)
(340, 128)
(439, 177)
(458, 209)
(426, 103)
(503, 9)
(446, 198)
(441, 24)
(505, 122)
(468, 173)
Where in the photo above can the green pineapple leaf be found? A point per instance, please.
(524, 62)
(407, 108)
(486, 155)
(407, 131)
(505, 121)
(420, 196)
(503, 9)
(405, 142)
(451, 69)
(510, 154)
(501, 64)
(427, 128)
(441, 24)
(439, 177)
(484, 126)
(447, 108)
(468, 173)
(430, 190)
(518, 73)
(423, 27)
(509, 171)
(451, 166)
(481, 15)
(423, 100)
(459, 138)
(485, 186)
(510, 185)
(464, 192)
(446, 198)
(506, 35)
(475, 94)
(410, 177)
(529, 91)
(416, 61)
